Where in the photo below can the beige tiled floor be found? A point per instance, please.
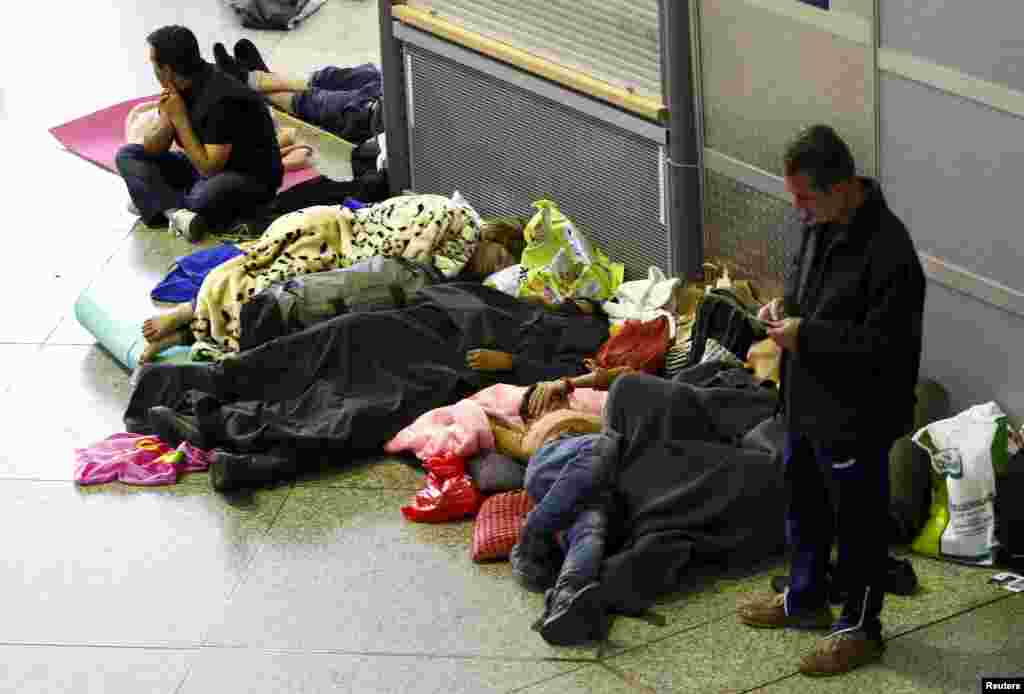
(318, 586)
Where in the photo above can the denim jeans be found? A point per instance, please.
(859, 520)
(571, 497)
(158, 182)
(338, 100)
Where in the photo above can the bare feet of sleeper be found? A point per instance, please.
(154, 347)
(167, 323)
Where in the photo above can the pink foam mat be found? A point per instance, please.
(97, 137)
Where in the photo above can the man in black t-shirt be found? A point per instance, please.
(230, 162)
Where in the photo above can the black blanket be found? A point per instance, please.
(351, 383)
(689, 493)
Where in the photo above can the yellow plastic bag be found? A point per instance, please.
(561, 263)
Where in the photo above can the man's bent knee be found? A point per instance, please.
(129, 158)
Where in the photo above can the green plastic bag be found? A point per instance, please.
(561, 263)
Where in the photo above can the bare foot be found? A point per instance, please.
(167, 323)
(154, 347)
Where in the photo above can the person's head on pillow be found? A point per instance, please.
(489, 257)
(508, 231)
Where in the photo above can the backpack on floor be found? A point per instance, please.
(374, 284)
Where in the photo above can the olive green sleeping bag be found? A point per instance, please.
(910, 477)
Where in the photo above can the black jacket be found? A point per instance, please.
(859, 346)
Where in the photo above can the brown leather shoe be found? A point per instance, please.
(841, 652)
(768, 611)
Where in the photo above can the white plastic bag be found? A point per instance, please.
(966, 451)
(507, 280)
(644, 300)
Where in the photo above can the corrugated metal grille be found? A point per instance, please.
(615, 41)
(504, 147)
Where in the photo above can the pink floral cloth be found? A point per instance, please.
(463, 429)
(138, 460)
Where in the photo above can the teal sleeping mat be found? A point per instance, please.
(114, 317)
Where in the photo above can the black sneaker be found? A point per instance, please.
(577, 615)
(174, 428)
(228, 64)
(247, 55)
(227, 471)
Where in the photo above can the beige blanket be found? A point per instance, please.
(426, 228)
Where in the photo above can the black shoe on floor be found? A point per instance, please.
(228, 64)
(173, 428)
(228, 471)
(248, 56)
(575, 615)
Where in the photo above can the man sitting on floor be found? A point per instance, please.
(342, 101)
(231, 162)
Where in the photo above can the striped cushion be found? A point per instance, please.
(497, 525)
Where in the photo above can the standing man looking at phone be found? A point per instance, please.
(850, 330)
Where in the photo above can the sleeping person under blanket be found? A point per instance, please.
(425, 228)
(572, 478)
(351, 383)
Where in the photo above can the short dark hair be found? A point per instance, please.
(820, 154)
(177, 48)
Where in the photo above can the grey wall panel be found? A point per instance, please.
(611, 40)
(862, 8)
(766, 75)
(504, 147)
(984, 38)
(970, 347)
(952, 170)
(756, 234)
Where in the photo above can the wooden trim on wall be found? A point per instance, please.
(952, 81)
(749, 175)
(972, 284)
(652, 109)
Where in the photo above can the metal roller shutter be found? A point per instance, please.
(612, 40)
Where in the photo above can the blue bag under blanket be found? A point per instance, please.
(183, 281)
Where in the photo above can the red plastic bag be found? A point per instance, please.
(641, 345)
(449, 495)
